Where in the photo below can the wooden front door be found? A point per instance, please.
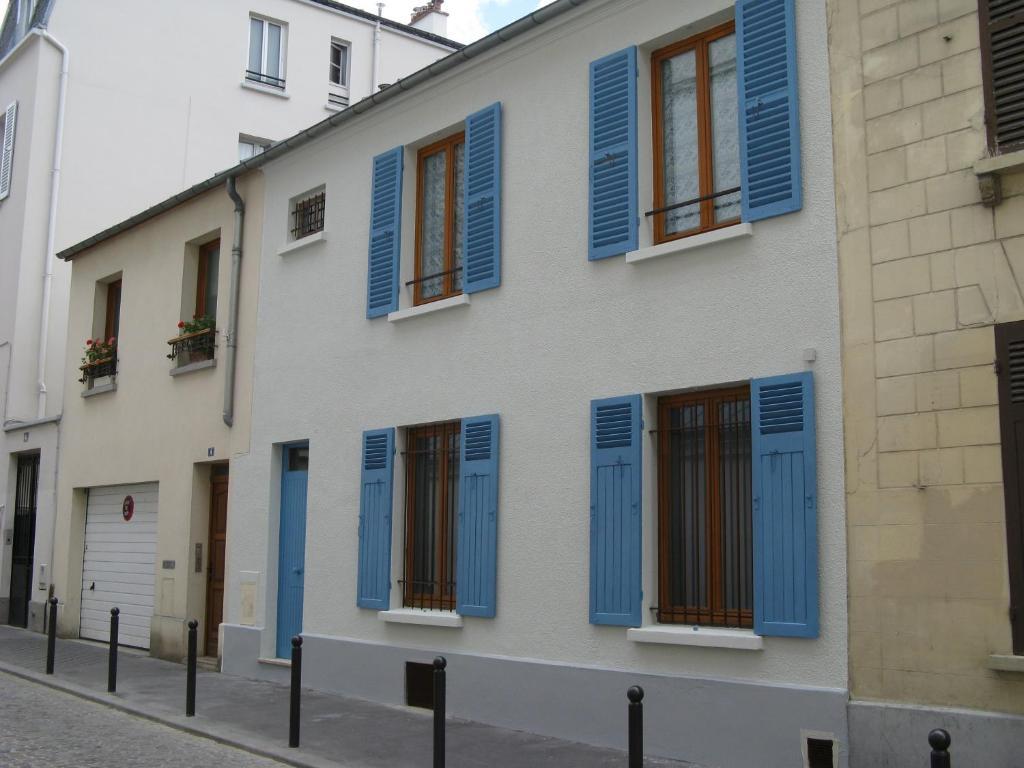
(215, 570)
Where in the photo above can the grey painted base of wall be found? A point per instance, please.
(5, 609)
(886, 735)
(36, 615)
(718, 723)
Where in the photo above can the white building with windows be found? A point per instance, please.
(107, 108)
(545, 377)
(561, 397)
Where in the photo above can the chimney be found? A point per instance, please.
(430, 18)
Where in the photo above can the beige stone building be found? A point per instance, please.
(930, 202)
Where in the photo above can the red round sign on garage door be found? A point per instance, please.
(128, 508)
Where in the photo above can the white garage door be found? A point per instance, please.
(120, 563)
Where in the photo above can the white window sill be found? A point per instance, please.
(295, 245)
(99, 389)
(425, 309)
(421, 616)
(691, 243)
(1008, 163)
(267, 89)
(1004, 663)
(708, 637)
(275, 662)
(199, 365)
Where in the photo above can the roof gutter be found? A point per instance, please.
(436, 69)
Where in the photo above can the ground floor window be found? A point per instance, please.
(705, 537)
(432, 506)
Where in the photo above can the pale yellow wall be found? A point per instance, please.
(925, 271)
(156, 427)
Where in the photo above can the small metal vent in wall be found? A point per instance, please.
(419, 685)
(820, 753)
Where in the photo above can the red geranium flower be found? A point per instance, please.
(110, 341)
(181, 323)
(88, 342)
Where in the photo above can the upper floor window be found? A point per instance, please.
(705, 535)
(250, 146)
(266, 52)
(339, 63)
(696, 135)
(1002, 57)
(112, 318)
(440, 206)
(308, 214)
(206, 280)
(432, 494)
(7, 121)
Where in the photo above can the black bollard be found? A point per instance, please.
(439, 684)
(190, 670)
(636, 726)
(293, 710)
(51, 636)
(940, 741)
(112, 658)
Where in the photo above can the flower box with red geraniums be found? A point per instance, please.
(100, 359)
(196, 338)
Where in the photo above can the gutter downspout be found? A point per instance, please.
(231, 337)
(51, 230)
(376, 51)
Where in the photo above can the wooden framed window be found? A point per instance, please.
(1010, 361)
(432, 506)
(112, 319)
(439, 212)
(696, 135)
(705, 533)
(1002, 71)
(339, 62)
(206, 279)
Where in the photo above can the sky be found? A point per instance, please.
(468, 20)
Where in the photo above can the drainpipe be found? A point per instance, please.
(231, 337)
(376, 51)
(51, 230)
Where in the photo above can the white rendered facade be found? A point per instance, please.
(730, 306)
(156, 100)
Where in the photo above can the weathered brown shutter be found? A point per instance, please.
(1002, 65)
(1010, 358)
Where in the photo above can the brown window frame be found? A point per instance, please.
(705, 158)
(203, 275)
(445, 530)
(112, 318)
(448, 275)
(715, 614)
(1011, 419)
(985, 29)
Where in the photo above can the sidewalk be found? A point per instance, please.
(253, 715)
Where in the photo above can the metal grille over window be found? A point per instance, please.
(705, 534)
(308, 215)
(432, 505)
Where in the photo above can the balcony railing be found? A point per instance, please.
(99, 368)
(193, 347)
(264, 79)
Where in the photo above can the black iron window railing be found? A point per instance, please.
(432, 505)
(193, 347)
(308, 215)
(264, 79)
(96, 369)
(694, 201)
(705, 534)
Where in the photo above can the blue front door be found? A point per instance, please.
(292, 542)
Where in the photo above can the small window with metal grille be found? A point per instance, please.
(307, 213)
(705, 536)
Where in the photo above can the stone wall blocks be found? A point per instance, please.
(948, 39)
(894, 130)
(882, 97)
(892, 59)
(1009, 217)
(941, 467)
(957, 112)
(909, 432)
(979, 386)
(921, 85)
(937, 391)
(961, 72)
(931, 233)
(951, 9)
(903, 356)
(906, 277)
(971, 225)
(896, 395)
(968, 426)
(890, 242)
(973, 504)
(894, 319)
(943, 271)
(887, 169)
(952, 190)
(964, 148)
(964, 347)
(926, 159)
(983, 464)
(972, 308)
(917, 15)
(935, 312)
(897, 470)
(879, 28)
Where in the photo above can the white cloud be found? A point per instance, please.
(465, 21)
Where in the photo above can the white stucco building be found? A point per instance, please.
(107, 108)
(560, 397)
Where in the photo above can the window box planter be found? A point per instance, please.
(98, 369)
(193, 347)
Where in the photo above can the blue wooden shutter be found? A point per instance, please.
(385, 234)
(615, 514)
(768, 111)
(785, 506)
(477, 553)
(481, 225)
(614, 217)
(374, 587)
